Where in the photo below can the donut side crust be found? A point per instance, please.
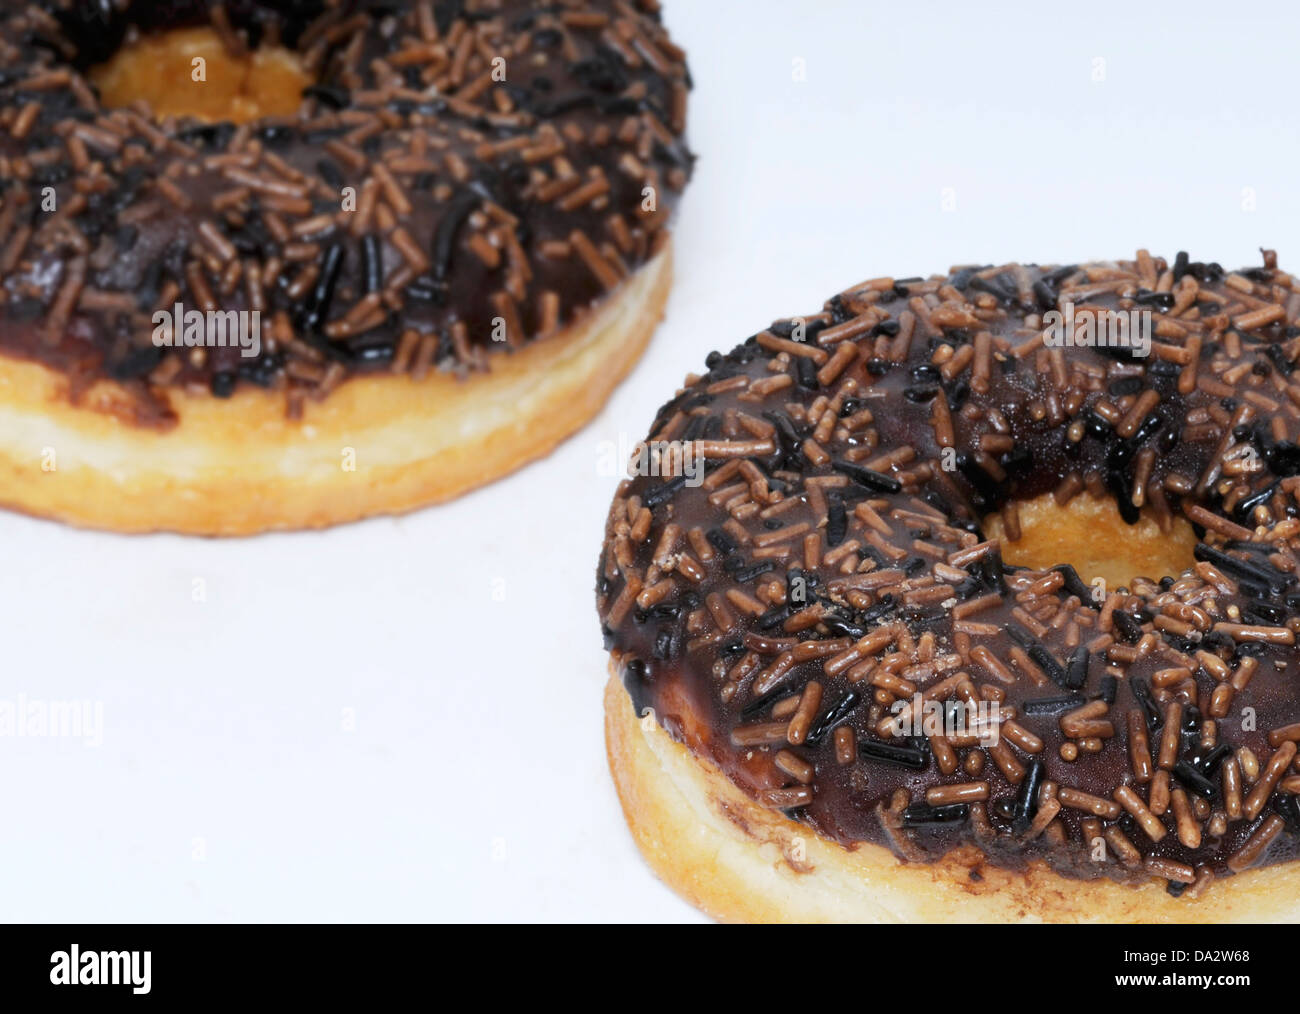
(238, 466)
(740, 862)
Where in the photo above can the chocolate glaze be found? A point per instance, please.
(1225, 384)
(593, 91)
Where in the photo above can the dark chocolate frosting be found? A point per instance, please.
(512, 162)
(827, 565)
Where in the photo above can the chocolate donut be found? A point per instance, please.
(454, 249)
(864, 709)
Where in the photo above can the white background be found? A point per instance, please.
(473, 782)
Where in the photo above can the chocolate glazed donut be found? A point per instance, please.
(456, 247)
(790, 610)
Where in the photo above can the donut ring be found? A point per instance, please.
(853, 708)
(441, 264)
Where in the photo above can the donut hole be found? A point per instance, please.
(1089, 534)
(192, 72)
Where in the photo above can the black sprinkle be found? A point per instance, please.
(747, 574)
(1027, 797)
(1077, 674)
(664, 491)
(1194, 780)
(444, 237)
(923, 814)
(1109, 688)
(1051, 705)
(1128, 628)
(837, 521)
(833, 717)
(1142, 694)
(898, 756)
(721, 541)
(372, 259)
(868, 477)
